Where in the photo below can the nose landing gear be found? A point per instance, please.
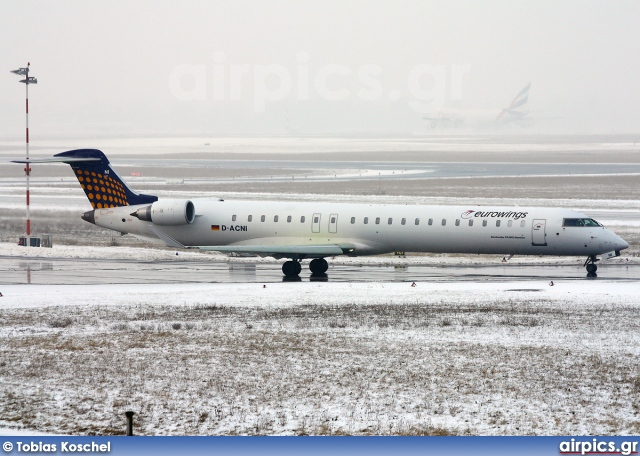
(591, 266)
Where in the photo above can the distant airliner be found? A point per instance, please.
(484, 118)
(315, 231)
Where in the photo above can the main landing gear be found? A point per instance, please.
(591, 266)
(317, 266)
(291, 268)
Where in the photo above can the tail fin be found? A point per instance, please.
(100, 182)
(520, 99)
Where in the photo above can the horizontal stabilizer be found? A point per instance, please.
(67, 160)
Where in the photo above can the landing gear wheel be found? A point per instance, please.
(318, 266)
(291, 268)
(591, 266)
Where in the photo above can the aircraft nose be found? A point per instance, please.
(619, 243)
(623, 244)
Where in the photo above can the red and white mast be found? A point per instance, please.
(27, 169)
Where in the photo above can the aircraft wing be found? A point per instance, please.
(291, 251)
(276, 251)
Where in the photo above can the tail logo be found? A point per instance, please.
(102, 190)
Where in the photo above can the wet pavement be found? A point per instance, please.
(103, 272)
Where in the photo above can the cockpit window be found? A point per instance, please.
(580, 222)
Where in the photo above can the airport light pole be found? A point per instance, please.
(27, 169)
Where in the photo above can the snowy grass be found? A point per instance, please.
(322, 358)
(224, 359)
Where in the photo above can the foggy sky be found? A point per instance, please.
(110, 67)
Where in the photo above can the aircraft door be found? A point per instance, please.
(333, 223)
(315, 223)
(538, 232)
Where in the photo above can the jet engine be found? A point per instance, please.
(168, 212)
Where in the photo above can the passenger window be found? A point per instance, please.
(233, 218)
(444, 222)
(366, 220)
(353, 220)
(430, 222)
(403, 221)
(470, 222)
(417, 221)
(316, 220)
(497, 222)
(510, 223)
(390, 221)
(333, 220)
(250, 218)
(302, 219)
(377, 220)
(457, 222)
(484, 223)
(288, 219)
(522, 223)
(275, 218)
(262, 218)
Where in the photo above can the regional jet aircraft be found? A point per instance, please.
(315, 231)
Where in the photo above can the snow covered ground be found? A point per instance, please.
(488, 358)
(322, 358)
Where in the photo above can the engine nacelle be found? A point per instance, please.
(168, 212)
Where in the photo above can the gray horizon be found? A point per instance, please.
(132, 68)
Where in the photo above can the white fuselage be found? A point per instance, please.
(375, 229)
